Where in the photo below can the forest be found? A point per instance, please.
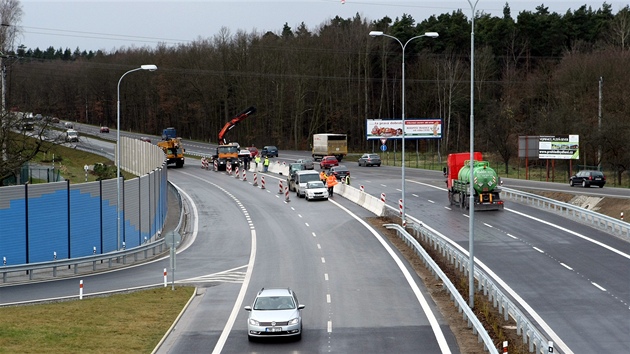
(535, 73)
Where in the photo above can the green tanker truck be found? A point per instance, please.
(486, 182)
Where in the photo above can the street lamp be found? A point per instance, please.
(381, 34)
(471, 203)
(149, 67)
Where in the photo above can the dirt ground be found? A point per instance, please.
(612, 207)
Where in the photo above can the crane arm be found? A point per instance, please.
(233, 122)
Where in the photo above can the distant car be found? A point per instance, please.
(54, 120)
(145, 139)
(269, 151)
(274, 313)
(68, 125)
(588, 178)
(104, 129)
(316, 190)
(369, 160)
(253, 151)
(307, 162)
(328, 162)
(72, 136)
(340, 172)
(293, 168)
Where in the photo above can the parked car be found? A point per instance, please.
(54, 120)
(104, 129)
(68, 125)
(340, 172)
(274, 313)
(301, 179)
(307, 162)
(588, 178)
(328, 162)
(316, 190)
(253, 151)
(145, 139)
(270, 151)
(369, 160)
(293, 168)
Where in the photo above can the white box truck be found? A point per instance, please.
(330, 145)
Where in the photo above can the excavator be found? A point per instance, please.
(229, 152)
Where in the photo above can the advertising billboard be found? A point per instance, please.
(430, 128)
(561, 147)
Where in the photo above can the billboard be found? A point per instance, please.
(562, 147)
(430, 128)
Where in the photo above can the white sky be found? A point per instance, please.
(107, 25)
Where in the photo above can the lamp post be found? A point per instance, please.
(149, 67)
(471, 203)
(403, 46)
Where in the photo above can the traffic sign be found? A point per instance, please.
(383, 141)
(172, 239)
(383, 147)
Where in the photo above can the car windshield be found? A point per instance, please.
(315, 184)
(309, 177)
(274, 303)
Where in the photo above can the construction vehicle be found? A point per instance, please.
(330, 145)
(228, 153)
(171, 144)
(486, 182)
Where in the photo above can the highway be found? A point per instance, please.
(571, 278)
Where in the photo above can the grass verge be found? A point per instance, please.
(131, 322)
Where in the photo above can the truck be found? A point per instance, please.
(172, 146)
(229, 153)
(329, 145)
(486, 182)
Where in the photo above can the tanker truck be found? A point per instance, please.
(486, 182)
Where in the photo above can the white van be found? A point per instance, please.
(72, 135)
(301, 178)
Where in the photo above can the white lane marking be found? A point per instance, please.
(435, 326)
(536, 317)
(319, 247)
(625, 255)
(415, 195)
(323, 260)
(300, 215)
(326, 276)
(400, 190)
(329, 326)
(566, 266)
(307, 225)
(488, 225)
(598, 286)
(313, 234)
(514, 237)
(432, 202)
(539, 250)
(448, 208)
(328, 298)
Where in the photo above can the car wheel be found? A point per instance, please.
(584, 185)
(379, 165)
(571, 183)
(602, 186)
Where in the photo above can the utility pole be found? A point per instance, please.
(599, 125)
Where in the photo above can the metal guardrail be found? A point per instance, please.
(604, 222)
(90, 264)
(459, 301)
(531, 335)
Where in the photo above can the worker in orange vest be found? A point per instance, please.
(331, 181)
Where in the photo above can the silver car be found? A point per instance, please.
(275, 312)
(370, 160)
(307, 162)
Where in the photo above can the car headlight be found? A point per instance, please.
(294, 321)
(253, 322)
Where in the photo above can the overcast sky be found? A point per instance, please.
(107, 25)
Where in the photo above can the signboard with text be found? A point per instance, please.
(430, 128)
(561, 147)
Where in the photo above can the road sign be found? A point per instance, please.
(172, 239)
(383, 141)
(383, 147)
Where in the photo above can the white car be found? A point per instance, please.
(275, 313)
(315, 190)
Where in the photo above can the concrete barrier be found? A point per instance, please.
(367, 201)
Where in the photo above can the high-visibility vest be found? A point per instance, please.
(331, 181)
